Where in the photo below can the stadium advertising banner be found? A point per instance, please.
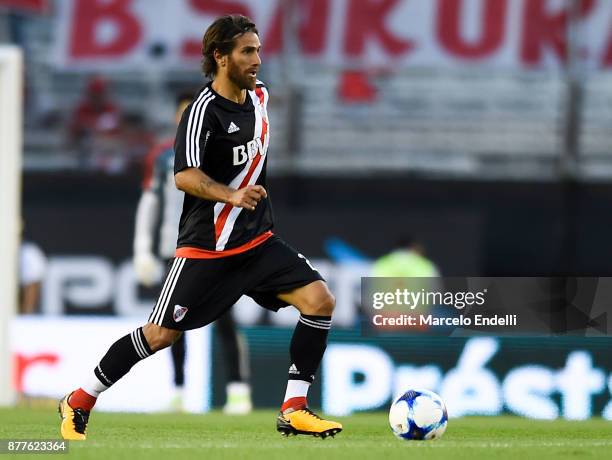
(543, 378)
(127, 34)
(540, 378)
(50, 355)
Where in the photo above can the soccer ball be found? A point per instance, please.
(418, 415)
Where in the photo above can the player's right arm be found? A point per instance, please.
(195, 182)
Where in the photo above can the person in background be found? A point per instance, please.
(407, 260)
(95, 130)
(96, 113)
(157, 221)
(32, 268)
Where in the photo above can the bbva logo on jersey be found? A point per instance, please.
(243, 153)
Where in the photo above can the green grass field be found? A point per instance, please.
(365, 436)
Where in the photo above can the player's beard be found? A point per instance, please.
(239, 77)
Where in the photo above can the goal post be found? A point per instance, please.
(11, 88)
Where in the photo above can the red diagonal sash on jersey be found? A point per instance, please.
(223, 215)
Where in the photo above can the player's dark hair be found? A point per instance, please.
(221, 35)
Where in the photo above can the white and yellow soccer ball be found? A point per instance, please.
(418, 415)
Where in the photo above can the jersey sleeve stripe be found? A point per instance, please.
(190, 123)
(196, 118)
(197, 137)
(194, 144)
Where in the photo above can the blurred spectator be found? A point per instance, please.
(107, 138)
(32, 268)
(406, 260)
(95, 122)
(355, 88)
(96, 113)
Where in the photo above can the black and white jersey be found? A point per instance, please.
(228, 142)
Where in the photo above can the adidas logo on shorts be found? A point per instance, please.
(294, 370)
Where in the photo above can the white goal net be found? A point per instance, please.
(11, 84)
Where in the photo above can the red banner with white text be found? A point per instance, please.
(511, 34)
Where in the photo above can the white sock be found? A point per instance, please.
(296, 389)
(179, 392)
(238, 389)
(94, 387)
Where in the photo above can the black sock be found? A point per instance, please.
(307, 346)
(178, 360)
(121, 357)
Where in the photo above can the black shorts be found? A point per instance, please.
(198, 291)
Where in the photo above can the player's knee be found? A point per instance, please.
(324, 305)
(159, 337)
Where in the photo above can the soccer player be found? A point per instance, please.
(157, 220)
(225, 247)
